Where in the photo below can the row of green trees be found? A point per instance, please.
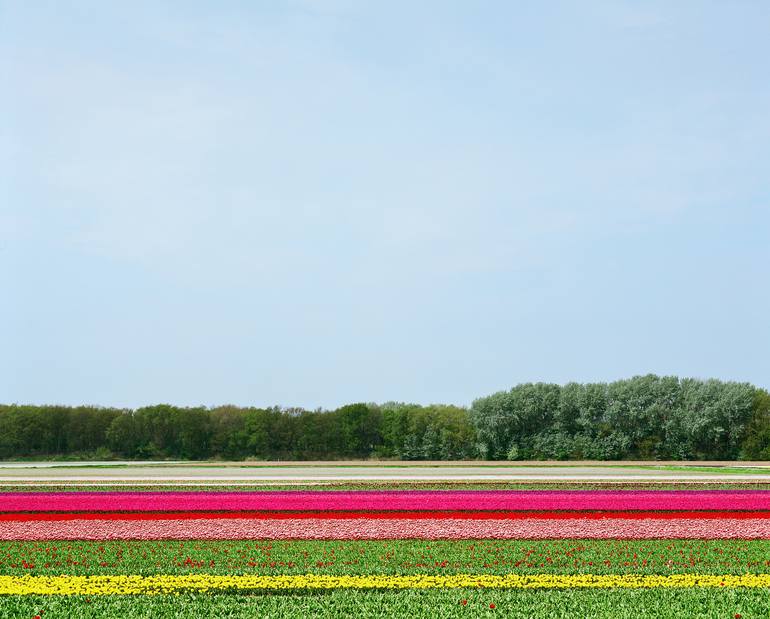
(645, 417)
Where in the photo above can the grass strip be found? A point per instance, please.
(409, 604)
(394, 557)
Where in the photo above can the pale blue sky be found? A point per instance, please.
(312, 203)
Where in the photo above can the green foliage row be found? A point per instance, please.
(646, 417)
(460, 603)
(386, 557)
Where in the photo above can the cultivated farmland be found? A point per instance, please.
(237, 542)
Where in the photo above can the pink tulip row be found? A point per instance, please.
(383, 501)
(447, 528)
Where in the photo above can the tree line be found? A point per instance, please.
(645, 417)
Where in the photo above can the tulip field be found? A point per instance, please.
(455, 551)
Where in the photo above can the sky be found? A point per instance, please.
(316, 202)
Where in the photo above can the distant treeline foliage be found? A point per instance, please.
(645, 417)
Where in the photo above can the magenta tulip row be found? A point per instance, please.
(445, 528)
(383, 501)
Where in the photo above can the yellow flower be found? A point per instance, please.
(167, 583)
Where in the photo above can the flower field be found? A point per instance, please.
(323, 501)
(693, 552)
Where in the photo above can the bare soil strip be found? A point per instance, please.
(248, 473)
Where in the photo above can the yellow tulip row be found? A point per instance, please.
(168, 583)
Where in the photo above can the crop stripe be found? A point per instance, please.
(167, 583)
